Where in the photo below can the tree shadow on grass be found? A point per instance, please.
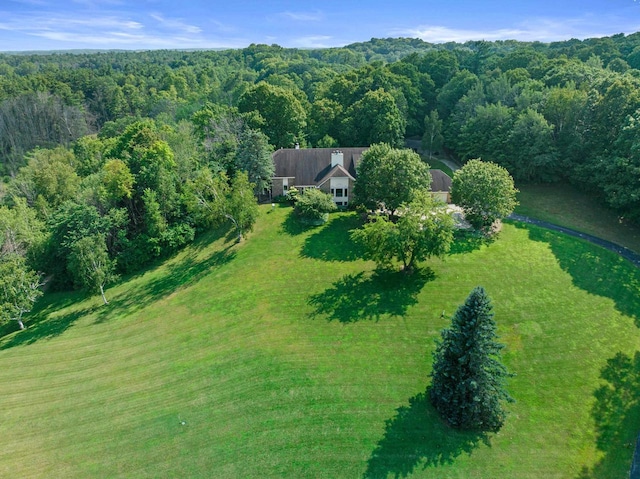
(616, 413)
(416, 436)
(44, 322)
(179, 274)
(333, 241)
(292, 226)
(370, 296)
(467, 241)
(594, 269)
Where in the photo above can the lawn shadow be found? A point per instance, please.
(292, 226)
(466, 241)
(616, 413)
(185, 271)
(417, 436)
(44, 322)
(369, 296)
(594, 269)
(333, 242)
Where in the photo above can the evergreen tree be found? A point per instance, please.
(468, 377)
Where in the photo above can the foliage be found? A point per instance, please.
(432, 139)
(213, 200)
(374, 119)
(48, 180)
(36, 119)
(314, 206)
(423, 229)
(389, 177)
(292, 195)
(533, 155)
(485, 191)
(468, 377)
(21, 232)
(241, 207)
(90, 264)
(565, 110)
(254, 158)
(19, 288)
(281, 111)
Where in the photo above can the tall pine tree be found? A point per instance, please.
(468, 385)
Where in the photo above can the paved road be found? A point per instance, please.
(621, 250)
(417, 145)
(616, 248)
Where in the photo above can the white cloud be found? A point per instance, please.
(175, 24)
(111, 31)
(316, 16)
(544, 30)
(313, 41)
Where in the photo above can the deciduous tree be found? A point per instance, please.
(284, 116)
(90, 264)
(375, 118)
(213, 199)
(19, 288)
(485, 191)
(389, 177)
(423, 229)
(432, 139)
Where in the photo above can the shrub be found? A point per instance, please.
(314, 206)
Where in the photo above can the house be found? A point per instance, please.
(329, 169)
(332, 171)
(440, 186)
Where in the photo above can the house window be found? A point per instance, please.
(339, 203)
(338, 192)
(333, 192)
(285, 187)
(345, 192)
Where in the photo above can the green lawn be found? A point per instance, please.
(564, 205)
(286, 356)
(436, 164)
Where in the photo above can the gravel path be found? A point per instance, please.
(616, 248)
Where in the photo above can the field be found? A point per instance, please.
(564, 205)
(287, 356)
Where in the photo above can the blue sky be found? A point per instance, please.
(154, 24)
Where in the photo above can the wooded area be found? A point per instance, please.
(140, 151)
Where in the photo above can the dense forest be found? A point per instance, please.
(132, 154)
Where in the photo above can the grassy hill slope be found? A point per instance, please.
(286, 356)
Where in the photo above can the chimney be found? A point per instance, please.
(337, 158)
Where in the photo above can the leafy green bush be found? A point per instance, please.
(314, 206)
(292, 195)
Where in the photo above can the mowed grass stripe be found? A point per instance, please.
(269, 386)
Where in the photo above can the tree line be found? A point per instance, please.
(132, 154)
(561, 111)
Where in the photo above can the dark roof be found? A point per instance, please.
(311, 165)
(440, 181)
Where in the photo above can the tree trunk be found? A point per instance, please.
(104, 298)
(20, 323)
